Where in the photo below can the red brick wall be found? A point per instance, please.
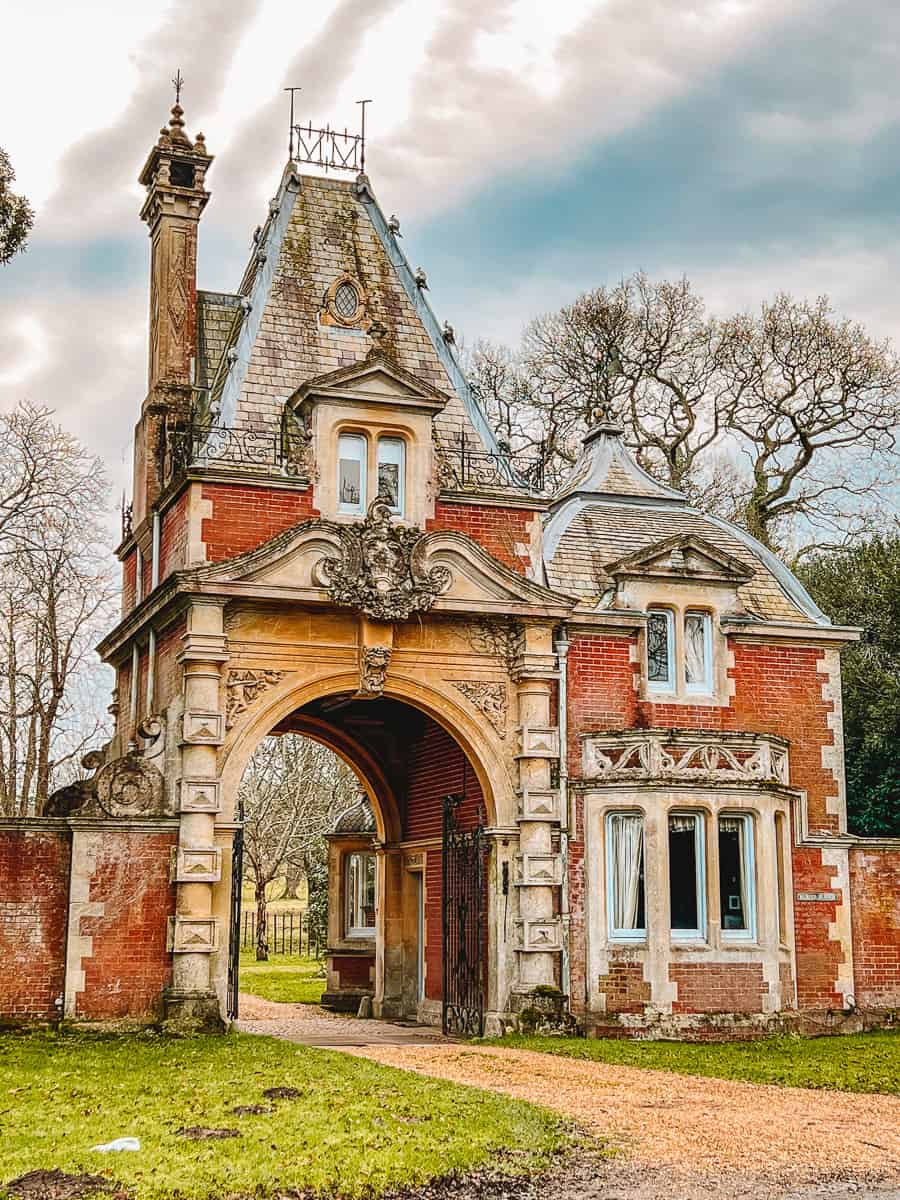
(129, 580)
(437, 766)
(624, 988)
(718, 987)
(499, 530)
(354, 971)
(244, 517)
(129, 965)
(173, 537)
(34, 892)
(168, 680)
(875, 893)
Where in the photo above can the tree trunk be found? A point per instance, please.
(262, 934)
(293, 877)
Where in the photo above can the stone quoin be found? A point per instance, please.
(635, 706)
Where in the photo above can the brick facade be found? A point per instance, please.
(34, 895)
(875, 888)
(244, 516)
(623, 988)
(504, 532)
(718, 987)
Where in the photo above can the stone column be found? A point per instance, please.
(388, 999)
(538, 868)
(196, 933)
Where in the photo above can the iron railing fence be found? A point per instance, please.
(465, 467)
(286, 933)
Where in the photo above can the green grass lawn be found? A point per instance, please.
(865, 1062)
(288, 978)
(357, 1128)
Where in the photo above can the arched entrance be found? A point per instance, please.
(433, 859)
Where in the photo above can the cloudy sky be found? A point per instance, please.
(532, 148)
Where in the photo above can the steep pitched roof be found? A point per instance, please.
(319, 229)
(609, 511)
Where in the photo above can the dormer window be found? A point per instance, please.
(352, 454)
(392, 472)
(679, 652)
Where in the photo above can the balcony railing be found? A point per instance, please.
(238, 449)
(691, 756)
(464, 467)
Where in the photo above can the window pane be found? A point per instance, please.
(351, 473)
(684, 872)
(696, 650)
(391, 472)
(360, 893)
(626, 871)
(659, 648)
(734, 861)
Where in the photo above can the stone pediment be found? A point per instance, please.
(683, 556)
(380, 567)
(375, 378)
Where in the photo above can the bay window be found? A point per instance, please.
(625, 875)
(687, 876)
(360, 895)
(736, 876)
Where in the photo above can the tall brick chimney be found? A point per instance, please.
(173, 176)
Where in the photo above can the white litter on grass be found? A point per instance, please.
(122, 1143)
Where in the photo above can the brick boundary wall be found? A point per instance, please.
(34, 897)
(875, 898)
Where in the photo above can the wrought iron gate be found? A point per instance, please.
(463, 924)
(234, 944)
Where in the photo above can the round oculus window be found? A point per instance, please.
(346, 301)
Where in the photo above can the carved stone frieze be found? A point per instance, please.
(128, 786)
(380, 568)
(491, 698)
(710, 757)
(373, 665)
(243, 686)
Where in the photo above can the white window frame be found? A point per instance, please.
(358, 931)
(705, 685)
(667, 684)
(749, 868)
(360, 443)
(398, 444)
(623, 935)
(700, 933)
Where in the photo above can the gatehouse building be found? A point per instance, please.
(599, 731)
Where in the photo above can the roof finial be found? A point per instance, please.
(178, 84)
(176, 125)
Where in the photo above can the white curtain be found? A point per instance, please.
(627, 854)
(682, 824)
(695, 667)
(739, 825)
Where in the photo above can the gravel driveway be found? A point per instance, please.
(685, 1137)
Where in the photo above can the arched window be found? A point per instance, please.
(392, 472)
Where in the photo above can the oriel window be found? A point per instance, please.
(392, 472)
(360, 885)
(351, 473)
(736, 876)
(660, 649)
(687, 877)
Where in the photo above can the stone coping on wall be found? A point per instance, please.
(74, 824)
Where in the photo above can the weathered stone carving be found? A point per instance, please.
(373, 665)
(242, 687)
(381, 568)
(501, 639)
(130, 787)
(701, 757)
(491, 698)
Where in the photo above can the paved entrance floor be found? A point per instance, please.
(309, 1025)
(684, 1137)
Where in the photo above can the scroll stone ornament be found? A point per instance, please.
(490, 698)
(381, 568)
(242, 687)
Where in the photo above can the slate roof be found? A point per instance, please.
(218, 313)
(317, 229)
(358, 819)
(609, 508)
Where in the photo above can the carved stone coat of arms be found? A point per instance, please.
(380, 568)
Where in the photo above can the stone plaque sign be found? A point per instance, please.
(822, 896)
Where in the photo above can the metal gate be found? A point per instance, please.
(234, 944)
(463, 924)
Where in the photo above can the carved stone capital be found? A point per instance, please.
(380, 568)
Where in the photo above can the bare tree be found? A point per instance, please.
(56, 597)
(783, 420)
(292, 792)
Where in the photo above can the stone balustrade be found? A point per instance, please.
(681, 755)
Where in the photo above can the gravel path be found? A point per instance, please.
(685, 1137)
(313, 1026)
